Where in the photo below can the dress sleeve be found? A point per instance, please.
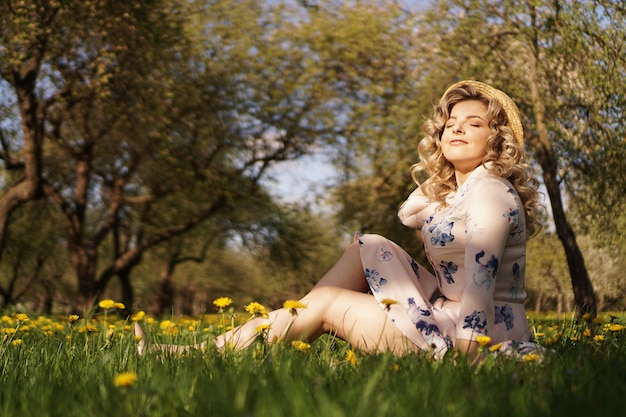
(416, 209)
(491, 207)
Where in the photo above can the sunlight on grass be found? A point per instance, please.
(92, 364)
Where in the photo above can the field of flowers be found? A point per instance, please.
(89, 366)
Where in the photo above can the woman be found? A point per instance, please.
(475, 212)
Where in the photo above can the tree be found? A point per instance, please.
(538, 53)
(211, 93)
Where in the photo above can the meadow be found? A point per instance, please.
(77, 366)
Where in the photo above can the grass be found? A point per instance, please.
(49, 367)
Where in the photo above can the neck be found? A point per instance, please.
(461, 175)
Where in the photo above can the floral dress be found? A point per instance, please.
(477, 247)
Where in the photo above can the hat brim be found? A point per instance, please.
(509, 106)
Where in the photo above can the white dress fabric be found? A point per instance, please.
(477, 247)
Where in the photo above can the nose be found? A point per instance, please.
(457, 127)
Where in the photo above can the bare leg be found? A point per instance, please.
(347, 273)
(337, 304)
(352, 316)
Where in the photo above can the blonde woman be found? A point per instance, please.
(475, 212)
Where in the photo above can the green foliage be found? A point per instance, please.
(52, 375)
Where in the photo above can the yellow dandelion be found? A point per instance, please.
(586, 317)
(222, 302)
(262, 328)
(483, 340)
(616, 327)
(256, 310)
(351, 357)
(119, 306)
(598, 320)
(587, 333)
(388, 302)
(598, 338)
(575, 338)
(293, 306)
(88, 328)
(125, 379)
(106, 304)
(532, 357)
(301, 346)
(72, 318)
(397, 367)
(540, 334)
(21, 318)
(496, 347)
(8, 330)
(138, 316)
(16, 342)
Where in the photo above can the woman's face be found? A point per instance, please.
(464, 138)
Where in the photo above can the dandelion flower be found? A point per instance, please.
(293, 306)
(125, 379)
(138, 316)
(262, 328)
(540, 334)
(107, 304)
(532, 357)
(88, 328)
(256, 310)
(586, 317)
(483, 340)
(495, 347)
(21, 318)
(587, 333)
(119, 306)
(598, 338)
(598, 320)
(351, 357)
(301, 346)
(222, 302)
(616, 327)
(16, 342)
(72, 318)
(388, 302)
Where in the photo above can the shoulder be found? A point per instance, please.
(492, 188)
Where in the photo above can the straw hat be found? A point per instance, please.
(510, 108)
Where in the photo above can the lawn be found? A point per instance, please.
(73, 366)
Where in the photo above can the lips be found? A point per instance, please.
(457, 141)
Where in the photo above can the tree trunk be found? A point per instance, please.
(84, 262)
(584, 295)
(165, 295)
(539, 300)
(128, 294)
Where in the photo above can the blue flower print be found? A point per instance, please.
(427, 328)
(504, 314)
(486, 272)
(383, 255)
(414, 309)
(374, 279)
(447, 269)
(441, 233)
(511, 215)
(476, 321)
(415, 267)
(516, 289)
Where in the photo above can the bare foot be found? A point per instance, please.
(140, 335)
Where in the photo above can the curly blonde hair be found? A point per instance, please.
(505, 157)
